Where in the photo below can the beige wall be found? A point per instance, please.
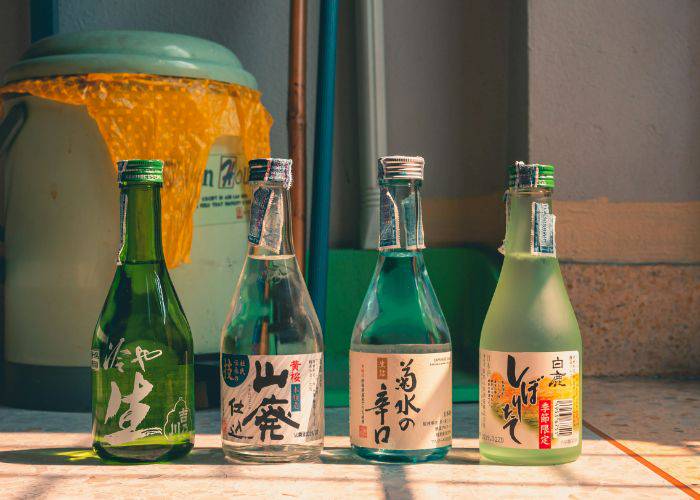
(614, 102)
(607, 91)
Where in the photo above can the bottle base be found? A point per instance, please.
(401, 456)
(142, 453)
(513, 456)
(272, 454)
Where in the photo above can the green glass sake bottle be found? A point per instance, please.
(530, 350)
(400, 350)
(142, 355)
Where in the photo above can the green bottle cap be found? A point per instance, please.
(140, 172)
(522, 175)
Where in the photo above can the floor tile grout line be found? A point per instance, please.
(646, 463)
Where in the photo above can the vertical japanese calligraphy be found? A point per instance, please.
(405, 406)
(128, 370)
(400, 401)
(529, 400)
(278, 401)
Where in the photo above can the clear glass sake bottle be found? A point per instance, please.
(142, 355)
(271, 343)
(400, 351)
(530, 350)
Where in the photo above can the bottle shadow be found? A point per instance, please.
(209, 456)
(345, 456)
(51, 456)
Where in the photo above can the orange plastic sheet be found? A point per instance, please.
(173, 119)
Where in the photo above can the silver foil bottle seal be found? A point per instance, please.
(408, 210)
(267, 208)
(276, 171)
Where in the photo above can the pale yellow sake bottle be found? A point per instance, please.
(530, 350)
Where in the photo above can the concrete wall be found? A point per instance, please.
(607, 91)
(446, 95)
(14, 35)
(460, 128)
(257, 31)
(613, 99)
(614, 102)
(447, 99)
(610, 94)
(446, 91)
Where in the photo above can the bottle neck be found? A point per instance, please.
(529, 222)
(140, 224)
(270, 230)
(400, 217)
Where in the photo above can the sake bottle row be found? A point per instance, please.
(272, 365)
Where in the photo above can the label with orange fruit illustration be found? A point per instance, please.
(529, 400)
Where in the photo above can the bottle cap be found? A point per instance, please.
(271, 171)
(522, 175)
(400, 168)
(140, 172)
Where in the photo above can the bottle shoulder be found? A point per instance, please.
(400, 306)
(530, 309)
(271, 311)
(142, 303)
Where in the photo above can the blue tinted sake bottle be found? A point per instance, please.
(271, 344)
(400, 351)
(530, 349)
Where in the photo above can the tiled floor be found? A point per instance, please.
(657, 418)
(46, 455)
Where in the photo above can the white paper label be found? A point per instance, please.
(266, 219)
(542, 234)
(413, 220)
(389, 227)
(401, 401)
(272, 400)
(529, 400)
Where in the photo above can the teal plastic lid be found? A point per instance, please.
(144, 52)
